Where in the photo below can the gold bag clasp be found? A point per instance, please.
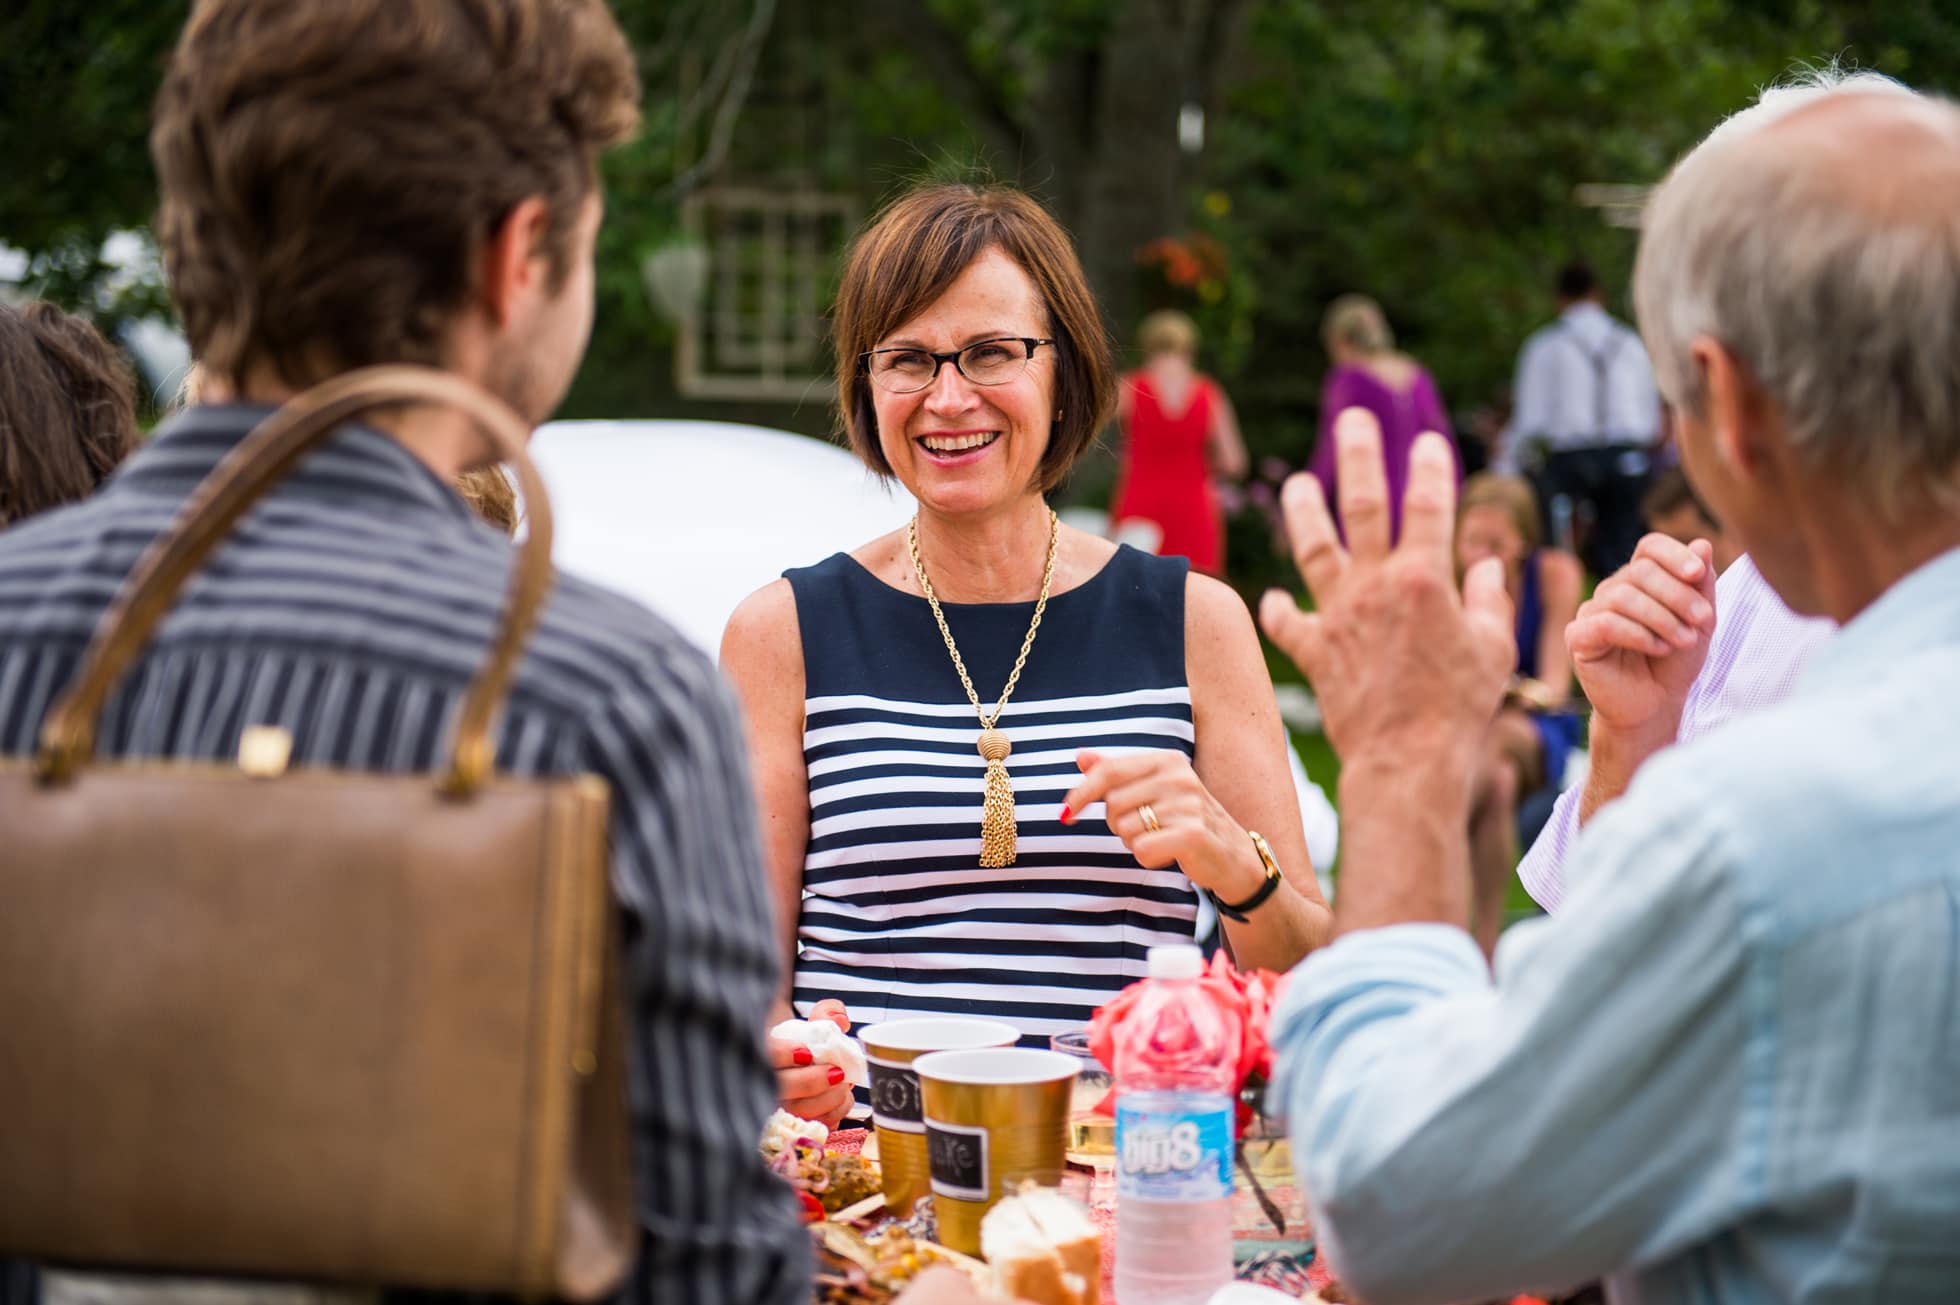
(264, 750)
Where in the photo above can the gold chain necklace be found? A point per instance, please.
(997, 811)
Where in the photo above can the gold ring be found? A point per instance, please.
(1149, 818)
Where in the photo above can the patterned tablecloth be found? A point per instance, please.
(1265, 1254)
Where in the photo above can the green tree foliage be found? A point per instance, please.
(76, 81)
(1424, 151)
(1427, 154)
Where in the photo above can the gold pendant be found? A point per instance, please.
(997, 813)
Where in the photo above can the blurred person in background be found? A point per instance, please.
(1535, 729)
(1143, 742)
(67, 409)
(416, 181)
(1179, 433)
(1369, 372)
(1584, 424)
(1723, 1071)
(1672, 508)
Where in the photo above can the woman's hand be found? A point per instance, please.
(1192, 830)
(807, 1090)
(833, 1010)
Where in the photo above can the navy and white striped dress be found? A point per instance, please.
(898, 916)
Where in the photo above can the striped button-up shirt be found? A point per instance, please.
(351, 607)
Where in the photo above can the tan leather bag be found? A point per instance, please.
(313, 1024)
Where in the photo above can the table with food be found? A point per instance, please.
(1129, 1162)
(1002, 1161)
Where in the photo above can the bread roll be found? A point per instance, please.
(1067, 1227)
(1042, 1248)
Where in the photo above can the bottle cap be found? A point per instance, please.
(1175, 961)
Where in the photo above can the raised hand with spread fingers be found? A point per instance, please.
(1408, 670)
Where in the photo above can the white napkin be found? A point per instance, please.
(829, 1045)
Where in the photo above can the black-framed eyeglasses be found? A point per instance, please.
(984, 362)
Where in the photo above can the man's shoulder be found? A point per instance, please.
(1623, 333)
(1822, 780)
(420, 594)
(632, 639)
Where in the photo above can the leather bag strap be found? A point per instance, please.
(260, 461)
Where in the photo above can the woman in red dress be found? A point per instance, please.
(1179, 431)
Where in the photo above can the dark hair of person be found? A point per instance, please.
(329, 171)
(1576, 280)
(67, 409)
(911, 253)
(1670, 492)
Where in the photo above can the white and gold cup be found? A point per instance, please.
(994, 1119)
(897, 1108)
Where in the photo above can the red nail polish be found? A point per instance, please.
(1068, 816)
(801, 1056)
(835, 1075)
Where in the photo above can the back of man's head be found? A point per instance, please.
(330, 172)
(1576, 281)
(1817, 239)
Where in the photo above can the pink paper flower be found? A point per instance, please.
(1244, 1002)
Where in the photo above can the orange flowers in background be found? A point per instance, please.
(1193, 262)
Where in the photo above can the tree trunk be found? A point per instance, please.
(1131, 177)
(1130, 183)
(1097, 138)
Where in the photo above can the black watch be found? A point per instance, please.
(1240, 910)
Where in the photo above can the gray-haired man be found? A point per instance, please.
(1730, 1068)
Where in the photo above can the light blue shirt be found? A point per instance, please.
(1728, 1070)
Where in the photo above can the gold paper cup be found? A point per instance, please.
(897, 1110)
(993, 1120)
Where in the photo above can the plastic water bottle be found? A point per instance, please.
(1174, 1082)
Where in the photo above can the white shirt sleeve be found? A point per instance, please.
(1542, 871)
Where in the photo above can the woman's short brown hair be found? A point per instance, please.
(329, 170)
(67, 409)
(910, 255)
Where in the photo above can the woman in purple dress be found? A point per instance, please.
(1369, 373)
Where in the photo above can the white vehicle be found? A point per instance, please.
(691, 517)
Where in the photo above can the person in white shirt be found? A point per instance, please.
(1584, 423)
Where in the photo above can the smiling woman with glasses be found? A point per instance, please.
(998, 758)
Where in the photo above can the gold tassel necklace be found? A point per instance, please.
(997, 812)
